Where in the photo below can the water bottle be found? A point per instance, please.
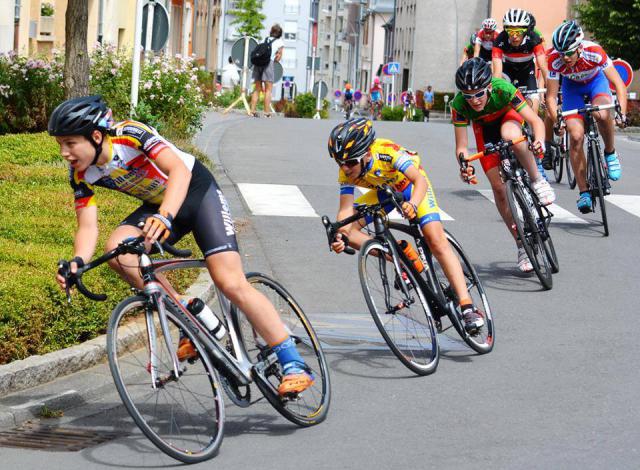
(412, 255)
(207, 317)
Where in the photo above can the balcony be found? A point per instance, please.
(46, 28)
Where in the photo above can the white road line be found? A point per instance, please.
(560, 215)
(276, 199)
(395, 216)
(631, 204)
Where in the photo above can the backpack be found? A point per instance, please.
(261, 55)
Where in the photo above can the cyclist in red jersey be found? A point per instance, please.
(485, 39)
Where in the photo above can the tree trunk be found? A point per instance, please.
(76, 66)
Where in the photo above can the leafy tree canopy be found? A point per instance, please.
(615, 25)
(249, 16)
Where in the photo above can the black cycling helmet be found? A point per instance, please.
(79, 116)
(351, 140)
(567, 37)
(474, 74)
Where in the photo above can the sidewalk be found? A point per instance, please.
(71, 378)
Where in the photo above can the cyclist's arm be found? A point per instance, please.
(476, 50)
(621, 90)
(462, 141)
(463, 57)
(86, 238)
(419, 185)
(178, 180)
(541, 59)
(496, 62)
(534, 121)
(553, 86)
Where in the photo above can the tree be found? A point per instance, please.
(615, 25)
(248, 15)
(76, 64)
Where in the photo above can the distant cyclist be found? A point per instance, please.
(586, 70)
(408, 101)
(347, 100)
(468, 50)
(375, 95)
(485, 38)
(497, 111)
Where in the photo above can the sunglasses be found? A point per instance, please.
(349, 163)
(470, 96)
(513, 31)
(569, 53)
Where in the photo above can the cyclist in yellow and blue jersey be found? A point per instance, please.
(368, 162)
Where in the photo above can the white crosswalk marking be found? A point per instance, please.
(631, 204)
(276, 199)
(560, 215)
(395, 216)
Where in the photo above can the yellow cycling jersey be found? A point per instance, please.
(387, 166)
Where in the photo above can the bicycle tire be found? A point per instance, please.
(596, 162)
(529, 235)
(311, 406)
(483, 342)
(130, 364)
(420, 359)
(545, 235)
(571, 178)
(558, 162)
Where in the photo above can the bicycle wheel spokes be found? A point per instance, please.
(311, 406)
(183, 416)
(403, 318)
(528, 233)
(483, 341)
(599, 183)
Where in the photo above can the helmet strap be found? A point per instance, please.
(97, 147)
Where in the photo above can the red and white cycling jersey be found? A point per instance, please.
(592, 59)
(485, 39)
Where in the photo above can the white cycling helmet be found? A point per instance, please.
(490, 23)
(516, 17)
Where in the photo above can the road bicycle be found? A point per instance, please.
(348, 109)
(561, 160)
(178, 405)
(410, 307)
(531, 218)
(597, 175)
(376, 109)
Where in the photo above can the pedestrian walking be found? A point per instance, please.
(427, 102)
(263, 69)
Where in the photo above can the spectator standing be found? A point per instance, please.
(263, 75)
(230, 74)
(428, 102)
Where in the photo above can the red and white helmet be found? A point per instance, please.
(490, 23)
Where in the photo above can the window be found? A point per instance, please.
(291, 7)
(289, 59)
(290, 30)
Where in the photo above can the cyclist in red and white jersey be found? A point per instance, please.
(586, 70)
(485, 38)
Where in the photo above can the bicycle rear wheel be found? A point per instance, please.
(599, 182)
(482, 342)
(183, 416)
(404, 320)
(558, 162)
(528, 233)
(311, 406)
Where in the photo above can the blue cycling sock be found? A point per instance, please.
(288, 356)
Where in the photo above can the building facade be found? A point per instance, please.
(294, 18)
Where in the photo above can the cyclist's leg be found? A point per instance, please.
(600, 94)
(512, 129)
(572, 98)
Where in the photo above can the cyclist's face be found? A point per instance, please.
(353, 171)
(77, 150)
(477, 99)
(570, 57)
(516, 35)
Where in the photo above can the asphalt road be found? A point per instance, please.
(559, 390)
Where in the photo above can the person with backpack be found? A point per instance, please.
(263, 58)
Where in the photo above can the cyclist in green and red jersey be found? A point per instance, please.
(497, 111)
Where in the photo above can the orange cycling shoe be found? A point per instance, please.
(295, 383)
(186, 350)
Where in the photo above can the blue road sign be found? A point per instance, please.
(393, 68)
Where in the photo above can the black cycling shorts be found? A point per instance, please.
(205, 212)
(522, 78)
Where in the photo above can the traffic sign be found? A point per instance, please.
(159, 26)
(277, 72)
(625, 71)
(237, 52)
(357, 95)
(324, 88)
(392, 68)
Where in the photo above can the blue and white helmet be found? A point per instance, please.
(567, 37)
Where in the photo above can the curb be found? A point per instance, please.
(44, 372)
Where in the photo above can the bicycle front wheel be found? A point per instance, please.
(528, 233)
(558, 162)
(598, 182)
(311, 406)
(183, 416)
(401, 313)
